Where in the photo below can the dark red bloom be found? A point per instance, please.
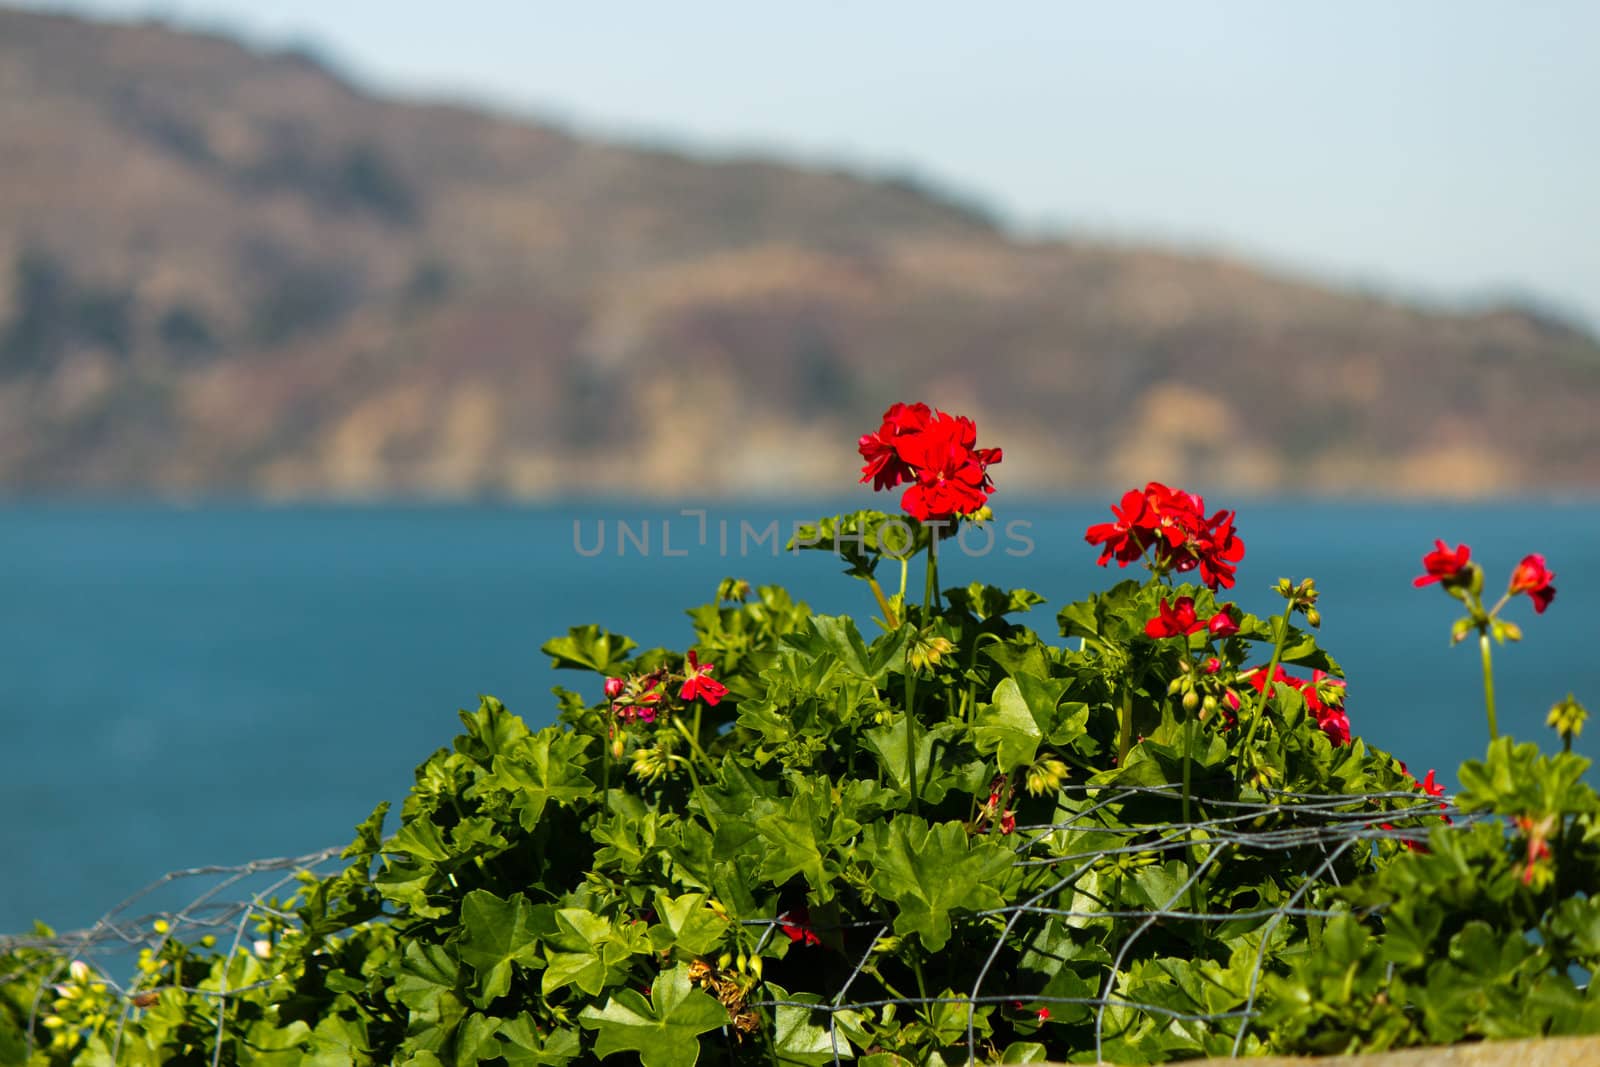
(885, 466)
(796, 926)
(698, 682)
(1534, 578)
(1175, 620)
(1170, 525)
(1323, 696)
(1443, 564)
(614, 687)
(1223, 624)
(938, 454)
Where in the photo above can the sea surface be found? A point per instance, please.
(182, 686)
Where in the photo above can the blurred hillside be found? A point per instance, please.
(223, 270)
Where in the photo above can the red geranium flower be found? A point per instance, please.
(1443, 564)
(1534, 578)
(1174, 621)
(935, 451)
(796, 926)
(1323, 696)
(1223, 624)
(697, 682)
(1171, 526)
(884, 465)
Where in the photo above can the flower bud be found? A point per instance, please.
(1284, 588)
(756, 966)
(1459, 631)
(1314, 617)
(1209, 704)
(1567, 718)
(724, 961)
(1506, 631)
(1191, 700)
(1175, 685)
(614, 688)
(616, 747)
(262, 949)
(79, 970)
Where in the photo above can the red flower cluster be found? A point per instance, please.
(1323, 694)
(1180, 620)
(697, 682)
(1453, 567)
(1428, 786)
(1534, 578)
(937, 453)
(1171, 525)
(1444, 564)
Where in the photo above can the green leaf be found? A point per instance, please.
(588, 950)
(496, 933)
(547, 766)
(589, 648)
(797, 833)
(369, 835)
(889, 744)
(930, 871)
(800, 1034)
(665, 1030)
(688, 924)
(523, 1044)
(991, 602)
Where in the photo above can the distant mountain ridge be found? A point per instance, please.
(224, 270)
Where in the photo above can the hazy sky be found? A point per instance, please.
(1448, 148)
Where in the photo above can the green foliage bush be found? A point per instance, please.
(949, 835)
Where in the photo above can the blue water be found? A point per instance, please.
(212, 685)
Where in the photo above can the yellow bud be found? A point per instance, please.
(54, 1022)
(1314, 617)
(756, 966)
(724, 961)
(161, 926)
(79, 970)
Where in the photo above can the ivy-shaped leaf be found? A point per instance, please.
(687, 924)
(663, 1031)
(496, 933)
(589, 648)
(547, 766)
(929, 871)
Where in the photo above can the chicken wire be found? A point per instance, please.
(1326, 826)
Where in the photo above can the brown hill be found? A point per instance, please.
(224, 270)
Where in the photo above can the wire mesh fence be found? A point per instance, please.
(1314, 831)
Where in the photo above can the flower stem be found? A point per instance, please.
(930, 595)
(911, 738)
(889, 618)
(1272, 671)
(1125, 741)
(1488, 683)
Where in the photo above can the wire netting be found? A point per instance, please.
(1310, 832)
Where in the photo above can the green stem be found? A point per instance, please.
(911, 738)
(1488, 682)
(930, 595)
(694, 742)
(605, 762)
(889, 619)
(1125, 740)
(1272, 670)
